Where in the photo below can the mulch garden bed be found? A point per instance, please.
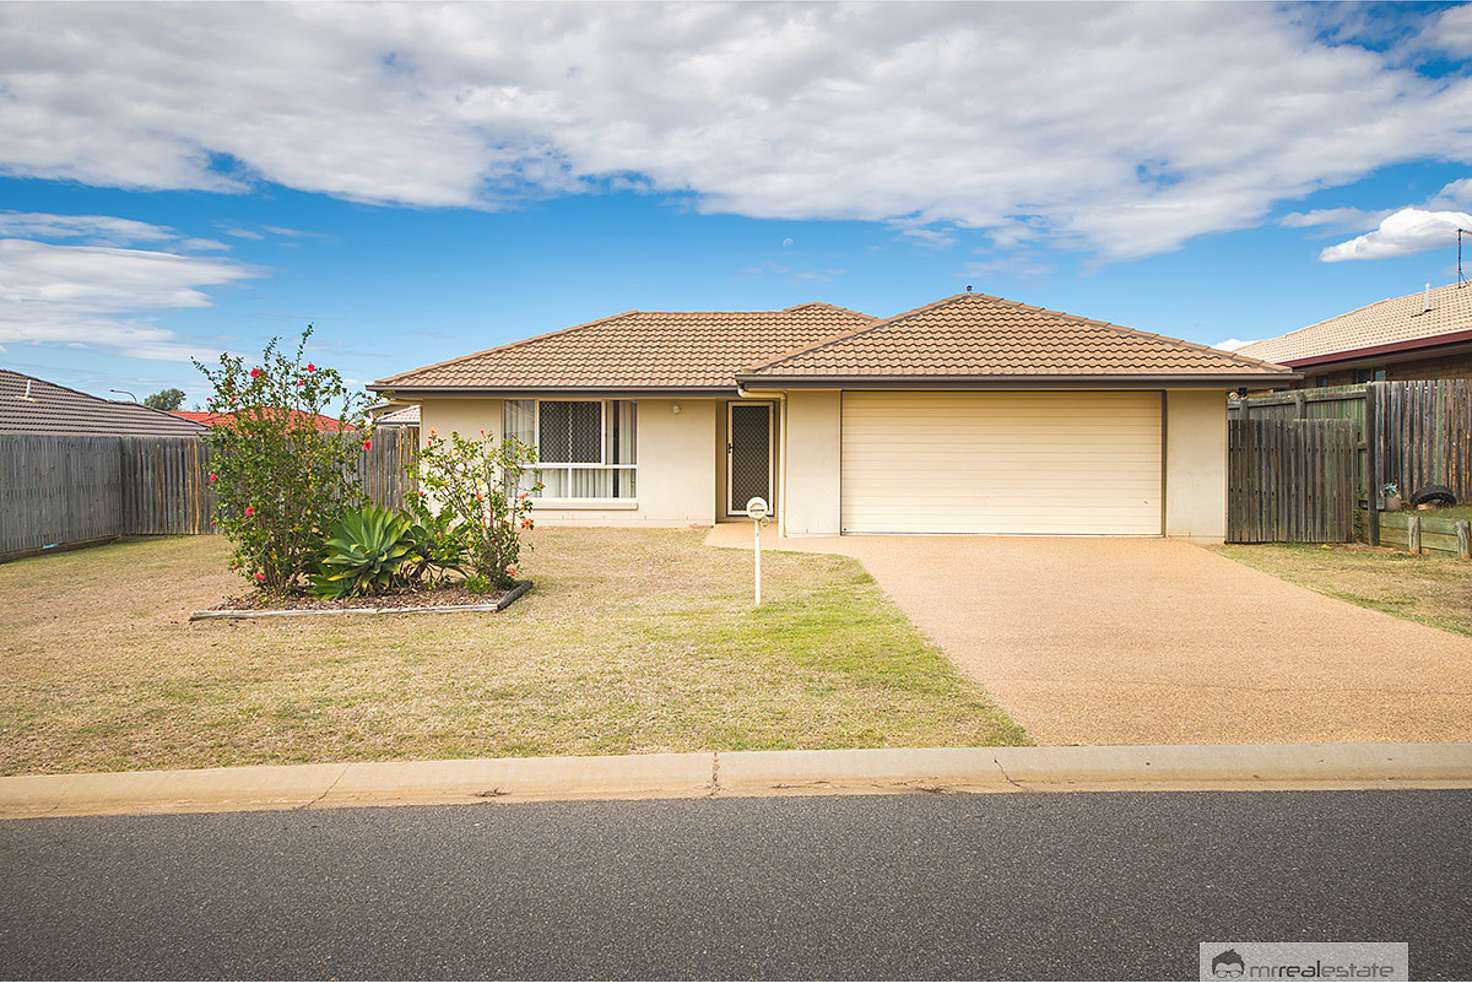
(447, 599)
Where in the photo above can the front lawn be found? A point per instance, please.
(632, 642)
(1430, 589)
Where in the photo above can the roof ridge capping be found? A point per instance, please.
(867, 328)
(1227, 356)
(825, 305)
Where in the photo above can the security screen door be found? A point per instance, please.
(748, 455)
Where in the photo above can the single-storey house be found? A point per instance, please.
(1422, 335)
(33, 405)
(971, 414)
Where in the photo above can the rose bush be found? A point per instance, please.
(281, 481)
(479, 490)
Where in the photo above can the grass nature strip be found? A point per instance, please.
(634, 641)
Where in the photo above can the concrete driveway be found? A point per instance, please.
(1116, 641)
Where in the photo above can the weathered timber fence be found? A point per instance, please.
(1291, 480)
(1424, 435)
(1410, 434)
(58, 491)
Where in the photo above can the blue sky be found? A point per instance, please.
(428, 181)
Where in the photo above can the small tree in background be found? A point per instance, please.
(478, 488)
(166, 400)
(281, 481)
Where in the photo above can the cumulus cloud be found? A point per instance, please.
(1232, 344)
(1162, 123)
(98, 295)
(1408, 231)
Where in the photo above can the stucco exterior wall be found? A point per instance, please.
(676, 482)
(1196, 465)
(814, 431)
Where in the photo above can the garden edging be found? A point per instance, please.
(511, 597)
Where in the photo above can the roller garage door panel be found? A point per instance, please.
(1043, 463)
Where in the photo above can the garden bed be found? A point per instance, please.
(442, 600)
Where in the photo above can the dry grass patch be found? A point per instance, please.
(1429, 589)
(632, 642)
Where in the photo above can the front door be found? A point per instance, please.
(748, 455)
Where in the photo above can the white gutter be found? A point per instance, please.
(781, 398)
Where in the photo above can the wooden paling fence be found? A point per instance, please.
(1411, 434)
(68, 490)
(58, 490)
(1423, 435)
(1291, 480)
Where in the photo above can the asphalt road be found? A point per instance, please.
(1052, 886)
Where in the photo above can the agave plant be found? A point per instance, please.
(369, 550)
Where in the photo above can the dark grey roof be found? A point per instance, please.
(57, 410)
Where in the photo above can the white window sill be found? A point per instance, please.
(584, 504)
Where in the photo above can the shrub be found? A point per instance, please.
(371, 550)
(480, 488)
(281, 482)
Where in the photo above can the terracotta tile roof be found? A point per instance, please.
(56, 410)
(1393, 321)
(324, 424)
(639, 349)
(972, 335)
(408, 416)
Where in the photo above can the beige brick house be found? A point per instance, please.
(971, 414)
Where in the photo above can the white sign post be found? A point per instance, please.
(757, 511)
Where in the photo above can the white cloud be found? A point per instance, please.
(1335, 219)
(1452, 32)
(1162, 122)
(97, 228)
(1232, 344)
(94, 295)
(1408, 231)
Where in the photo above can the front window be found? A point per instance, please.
(586, 448)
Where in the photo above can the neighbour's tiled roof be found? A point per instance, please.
(640, 349)
(324, 424)
(55, 409)
(408, 416)
(1394, 321)
(973, 335)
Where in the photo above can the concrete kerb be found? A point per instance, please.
(882, 771)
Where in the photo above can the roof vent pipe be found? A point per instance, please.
(28, 389)
(1426, 302)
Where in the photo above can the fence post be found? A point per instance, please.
(1413, 534)
(1372, 467)
(1464, 539)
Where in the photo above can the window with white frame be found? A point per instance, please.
(586, 448)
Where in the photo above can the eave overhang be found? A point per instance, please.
(1256, 381)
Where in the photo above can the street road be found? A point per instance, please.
(934, 886)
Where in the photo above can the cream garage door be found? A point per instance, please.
(1047, 463)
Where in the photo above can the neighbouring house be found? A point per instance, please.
(32, 405)
(970, 414)
(1423, 335)
(324, 424)
(397, 417)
